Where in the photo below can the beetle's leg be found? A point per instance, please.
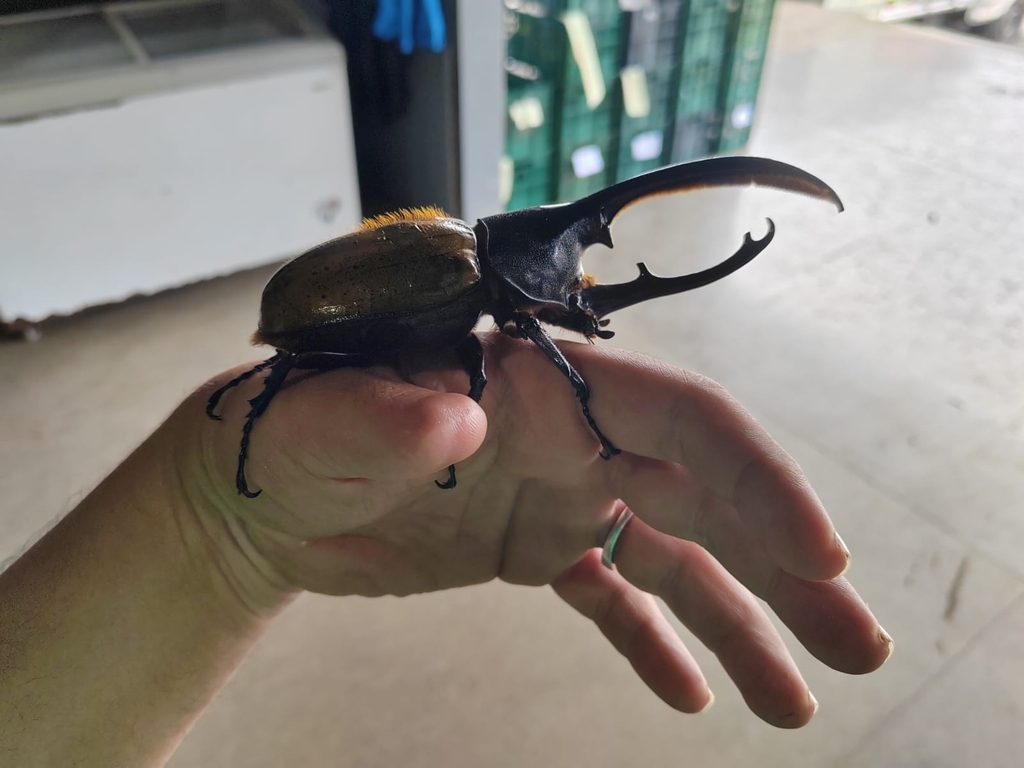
(471, 353)
(216, 396)
(258, 406)
(280, 365)
(535, 332)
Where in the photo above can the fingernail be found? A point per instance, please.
(886, 638)
(845, 549)
(814, 703)
(711, 700)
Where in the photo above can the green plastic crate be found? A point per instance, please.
(744, 75)
(588, 135)
(531, 150)
(706, 49)
(700, 63)
(653, 64)
(535, 67)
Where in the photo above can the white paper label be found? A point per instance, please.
(743, 116)
(646, 146)
(526, 113)
(587, 161)
(506, 179)
(636, 100)
(584, 51)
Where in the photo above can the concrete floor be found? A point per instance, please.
(882, 347)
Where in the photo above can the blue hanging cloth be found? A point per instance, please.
(413, 23)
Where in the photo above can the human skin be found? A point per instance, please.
(119, 626)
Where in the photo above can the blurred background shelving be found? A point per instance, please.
(601, 90)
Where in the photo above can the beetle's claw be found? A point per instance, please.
(243, 487)
(450, 482)
(212, 403)
(240, 484)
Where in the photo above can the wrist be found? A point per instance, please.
(217, 536)
(138, 589)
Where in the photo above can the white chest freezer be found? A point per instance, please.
(147, 145)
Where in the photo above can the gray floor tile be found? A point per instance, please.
(968, 715)
(930, 592)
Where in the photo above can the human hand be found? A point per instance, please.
(347, 461)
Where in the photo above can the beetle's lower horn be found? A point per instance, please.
(605, 299)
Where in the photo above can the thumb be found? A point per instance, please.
(354, 423)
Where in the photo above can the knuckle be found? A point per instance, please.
(746, 476)
(704, 519)
(620, 620)
(769, 585)
(773, 471)
(703, 388)
(674, 586)
(695, 396)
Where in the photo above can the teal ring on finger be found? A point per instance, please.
(608, 551)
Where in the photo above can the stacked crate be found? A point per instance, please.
(588, 126)
(648, 83)
(705, 57)
(626, 86)
(535, 70)
(744, 74)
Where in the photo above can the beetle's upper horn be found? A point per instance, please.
(714, 172)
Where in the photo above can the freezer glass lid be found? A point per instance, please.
(190, 28)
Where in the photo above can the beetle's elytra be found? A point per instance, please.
(411, 285)
(373, 282)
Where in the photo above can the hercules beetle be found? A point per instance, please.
(412, 285)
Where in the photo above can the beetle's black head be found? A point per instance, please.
(537, 253)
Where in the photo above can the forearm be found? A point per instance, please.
(120, 625)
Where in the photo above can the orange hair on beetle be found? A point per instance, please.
(425, 213)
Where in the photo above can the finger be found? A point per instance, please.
(631, 621)
(832, 622)
(652, 409)
(357, 424)
(723, 615)
(829, 618)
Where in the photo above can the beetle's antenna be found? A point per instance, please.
(714, 172)
(605, 299)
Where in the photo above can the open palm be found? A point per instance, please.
(347, 462)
